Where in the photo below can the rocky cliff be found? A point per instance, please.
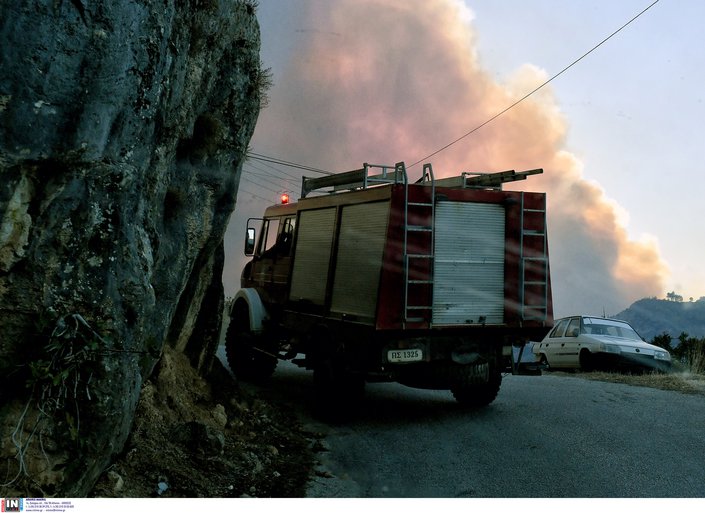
(123, 125)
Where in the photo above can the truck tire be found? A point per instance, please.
(477, 385)
(338, 391)
(252, 357)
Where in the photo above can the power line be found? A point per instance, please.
(269, 179)
(260, 165)
(242, 189)
(536, 89)
(260, 185)
(256, 170)
(281, 162)
(248, 176)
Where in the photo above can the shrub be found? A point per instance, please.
(690, 351)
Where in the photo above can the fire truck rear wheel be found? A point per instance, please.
(251, 357)
(477, 385)
(338, 391)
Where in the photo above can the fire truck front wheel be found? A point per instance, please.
(252, 357)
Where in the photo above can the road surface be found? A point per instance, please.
(546, 437)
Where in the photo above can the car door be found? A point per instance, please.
(551, 345)
(570, 344)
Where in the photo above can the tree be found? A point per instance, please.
(672, 296)
(690, 352)
(664, 341)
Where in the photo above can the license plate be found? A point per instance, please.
(404, 355)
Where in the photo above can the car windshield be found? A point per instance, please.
(609, 328)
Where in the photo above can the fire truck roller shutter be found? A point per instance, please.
(363, 230)
(312, 257)
(469, 264)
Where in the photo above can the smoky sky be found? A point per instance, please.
(383, 81)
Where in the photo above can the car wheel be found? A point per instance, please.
(664, 368)
(587, 363)
(544, 362)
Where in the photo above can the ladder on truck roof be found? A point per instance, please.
(396, 174)
(356, 179)
(468, 180)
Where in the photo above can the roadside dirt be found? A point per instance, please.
(683, 382)
(198, 438)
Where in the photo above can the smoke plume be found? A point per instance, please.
(386, 81)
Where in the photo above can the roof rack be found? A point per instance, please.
(356, 179)
(396, 174)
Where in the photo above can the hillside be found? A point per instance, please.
(652, 317)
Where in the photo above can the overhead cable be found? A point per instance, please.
(273, 160)
(261, 165)
(242, 189)
(535, 89)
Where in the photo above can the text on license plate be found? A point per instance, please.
(405, 355)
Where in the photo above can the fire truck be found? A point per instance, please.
(371, 278)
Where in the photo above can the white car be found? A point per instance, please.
(590, 343)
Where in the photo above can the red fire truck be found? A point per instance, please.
(371, 278)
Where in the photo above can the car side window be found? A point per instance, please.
(573, 328)
(559, 329)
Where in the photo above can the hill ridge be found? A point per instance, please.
(652, 317)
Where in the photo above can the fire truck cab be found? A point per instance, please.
(430, 284)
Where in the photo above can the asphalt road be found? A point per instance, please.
(544, 437)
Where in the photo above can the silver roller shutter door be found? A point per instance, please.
(469, 264)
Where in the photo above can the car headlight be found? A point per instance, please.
(610, 348)
(662, 355)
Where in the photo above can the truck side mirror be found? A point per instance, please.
(250, 242)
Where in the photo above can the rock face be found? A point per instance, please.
(123, 125)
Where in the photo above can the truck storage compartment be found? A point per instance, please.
(312, 256)
(363, 230)
(469, 263)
